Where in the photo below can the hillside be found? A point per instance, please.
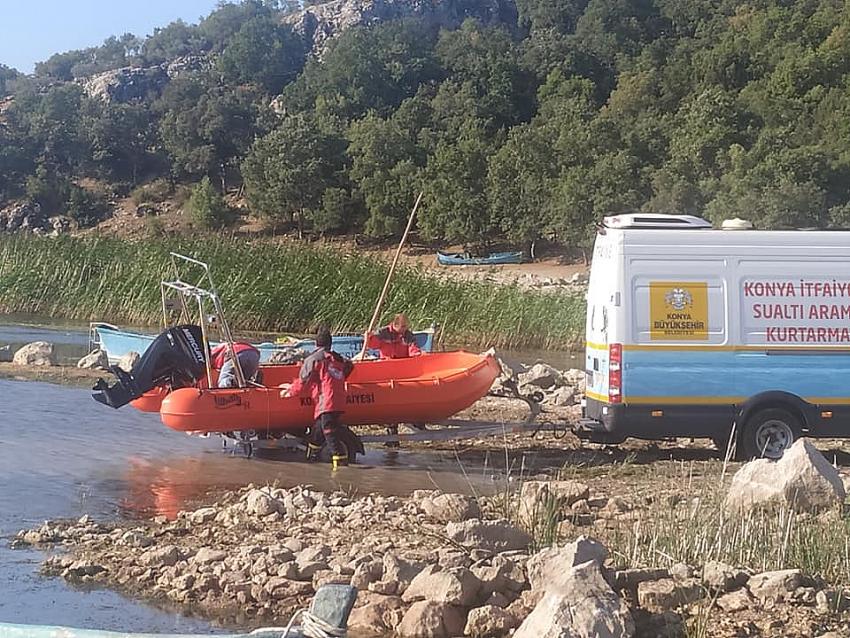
(520, 122)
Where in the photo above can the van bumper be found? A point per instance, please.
(601, 422)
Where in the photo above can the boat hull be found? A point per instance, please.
(427, 388)
(117, 343)
(496, 259)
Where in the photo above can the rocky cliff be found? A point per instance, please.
(319, 24)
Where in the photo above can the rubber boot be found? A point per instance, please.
(392, 430)
(313, 452)
(339, 460)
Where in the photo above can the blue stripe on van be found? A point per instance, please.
(724, 373)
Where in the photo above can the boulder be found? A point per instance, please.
(160, 557)
(496, 535)
(562, 397)
(136, 539)
(262, 503)
(735, 601)
(668, 594)
(376, 618)
(203, 515)
(429, 619)
(448, 508)
(543, 499)
(502, 575)
(802, 480)
(126, 84)
(95, 360)
(489, 620)
(540, 375)
(720, 577)
(399, 570)
(208, 556)
(549, 567)
(37, 353)
(458, 587)
(583, 605)
(775, 585)
(128, 361)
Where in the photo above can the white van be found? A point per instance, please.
(691, 330)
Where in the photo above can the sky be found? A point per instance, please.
(33, 30)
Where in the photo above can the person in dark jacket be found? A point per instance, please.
(248, 357)
(323, 376)
(394, 341)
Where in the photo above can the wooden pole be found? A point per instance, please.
(383, 296)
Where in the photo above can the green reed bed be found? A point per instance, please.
(272, 287)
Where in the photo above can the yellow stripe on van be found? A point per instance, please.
(596, 346)
(596, 397)
(635, 400)
(727, 348)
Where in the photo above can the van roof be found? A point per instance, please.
(815, 241)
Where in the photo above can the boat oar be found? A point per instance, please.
(383, 295)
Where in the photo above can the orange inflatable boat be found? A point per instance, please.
(426, 388)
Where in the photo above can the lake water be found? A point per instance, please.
(64, 455)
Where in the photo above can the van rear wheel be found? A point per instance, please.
(769, 432)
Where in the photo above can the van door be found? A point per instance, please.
(602, 305)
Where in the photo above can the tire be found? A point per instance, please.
(769, 432)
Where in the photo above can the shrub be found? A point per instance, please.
(155, 192)
(207, 207)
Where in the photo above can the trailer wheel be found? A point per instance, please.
(769, 432)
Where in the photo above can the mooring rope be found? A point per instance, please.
(312, 626)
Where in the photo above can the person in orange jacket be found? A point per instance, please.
(394, 341)
(323, 376)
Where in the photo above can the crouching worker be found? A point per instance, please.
(323, 375)
(248, 357)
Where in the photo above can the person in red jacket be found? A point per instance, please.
(323, 375)
(394, 341)
(248, 357)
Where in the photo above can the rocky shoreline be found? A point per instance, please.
(434, 565)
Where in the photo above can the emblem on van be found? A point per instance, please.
(679, 299)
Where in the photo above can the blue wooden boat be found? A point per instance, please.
(465, 259)
(117, 343)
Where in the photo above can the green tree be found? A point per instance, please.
(287, 171)
(263, 52)
(456, 208)
(207, 207)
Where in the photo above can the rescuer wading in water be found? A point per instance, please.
(323, 375)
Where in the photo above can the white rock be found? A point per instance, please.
(548, 568)
(37, 353)
(207, 556)
(562, 397)
(261, 503)
(735, 601)
(667, 594)
(95, 360)
(447, 508)
(802, 480)
(540, 500)
(495, 536)
(458, 587)
(540, 375)
(775, 585)
(203, 515)
(583, 606)
(429, 619)
(489, 620)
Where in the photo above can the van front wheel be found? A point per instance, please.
(768, 433)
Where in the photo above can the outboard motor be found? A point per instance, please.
(176, 357)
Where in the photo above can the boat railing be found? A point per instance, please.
(203, 293)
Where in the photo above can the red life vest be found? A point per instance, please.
(220, 353)
(323, 374)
